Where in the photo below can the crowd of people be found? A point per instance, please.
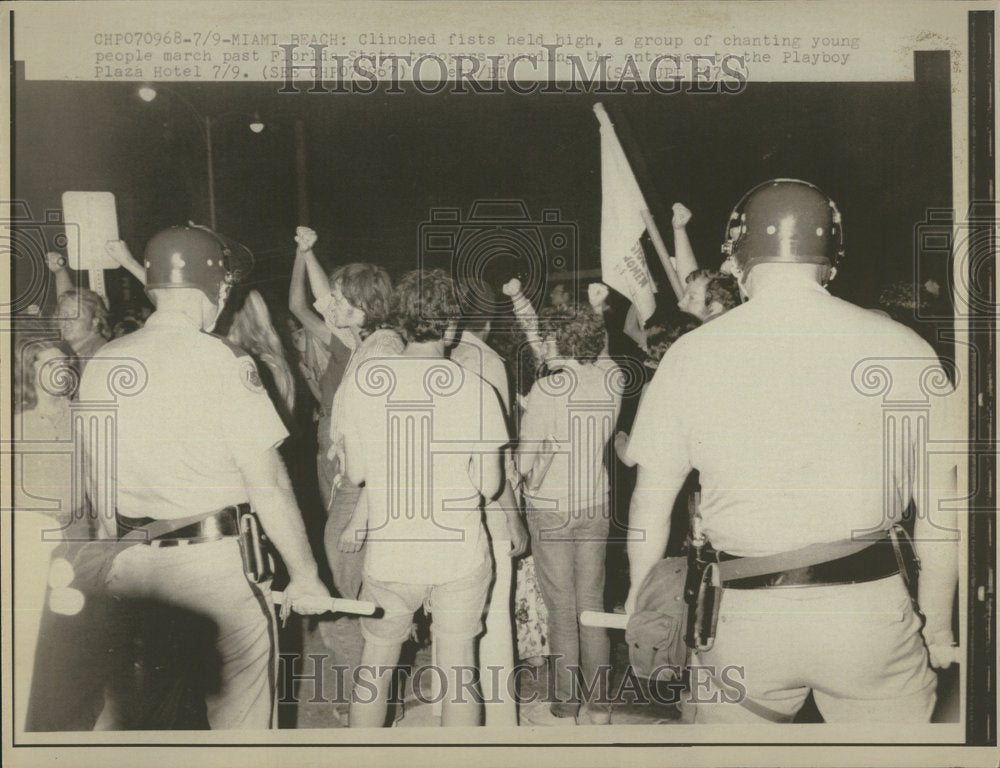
(468, 445)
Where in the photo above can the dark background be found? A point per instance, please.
(377, 164)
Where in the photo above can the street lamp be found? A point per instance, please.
(205, 122)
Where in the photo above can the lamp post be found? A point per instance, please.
(211, 171)
(205, 122)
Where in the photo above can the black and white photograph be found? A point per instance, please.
(485, 382)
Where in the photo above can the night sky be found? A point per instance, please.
(378, 164)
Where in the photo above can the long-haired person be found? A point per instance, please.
(48, 516)
(252, 330)
(82, 314)
(83, 319)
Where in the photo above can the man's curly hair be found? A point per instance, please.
(368, 288)
(578, 331)
(719, 287)
(424, 304)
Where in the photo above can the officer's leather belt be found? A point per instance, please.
(873, 562)
(218, 525)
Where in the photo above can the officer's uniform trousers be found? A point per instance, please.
(191, 414)
(207, 580)
(856, 646)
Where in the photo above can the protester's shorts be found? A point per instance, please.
(456, 607)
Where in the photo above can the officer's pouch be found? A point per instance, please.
(656, 629)
(253, 547)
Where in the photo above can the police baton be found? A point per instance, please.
(337, 605)
(604, 620)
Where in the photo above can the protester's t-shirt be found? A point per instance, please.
(571, 414)
(414, 424)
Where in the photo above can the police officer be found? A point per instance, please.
(779, 405)
(196, 450)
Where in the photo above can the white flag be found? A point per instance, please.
(623, 262)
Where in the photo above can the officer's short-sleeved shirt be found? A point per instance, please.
(804, 415)
(196, 411)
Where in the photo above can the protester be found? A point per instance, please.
(355, 300)
(251, 329)
(82, 313)
(125, 325)
(49, 517)
(311, 358)
(562, 454)
(661, 332)
(509, 340)
(508, 536)
(708, 294)
(326, 349)
(425, 538)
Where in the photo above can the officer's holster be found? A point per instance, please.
(254, 546)
(703, 595)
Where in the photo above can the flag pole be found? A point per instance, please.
(661, 251)
(654, 233)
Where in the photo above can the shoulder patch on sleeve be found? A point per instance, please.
(249, 376)
(236, 349)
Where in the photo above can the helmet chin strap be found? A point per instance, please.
(219, 306)
(225, 287)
